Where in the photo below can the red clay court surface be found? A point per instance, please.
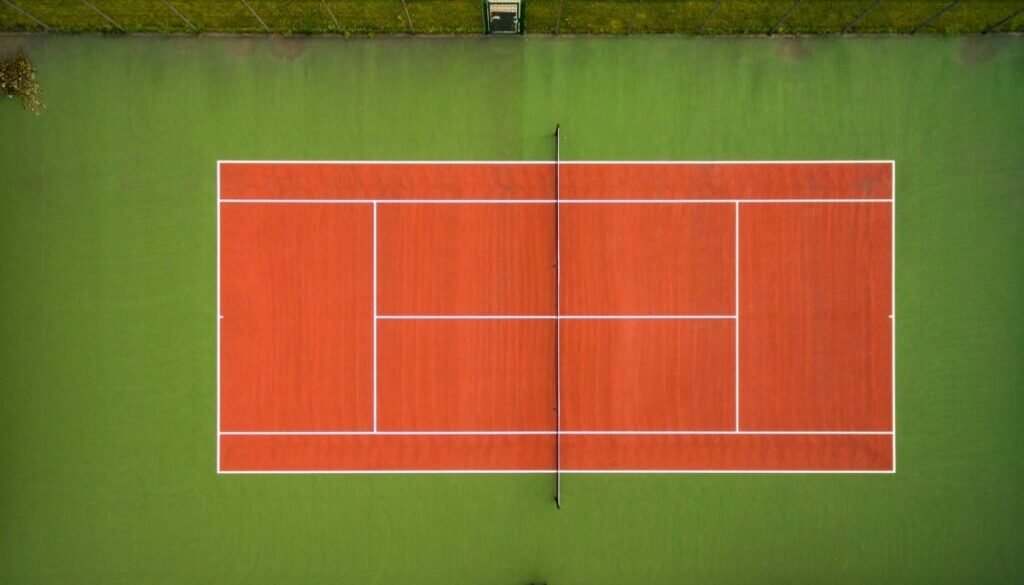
(401, 317)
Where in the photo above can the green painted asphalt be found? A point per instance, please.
(107, 308)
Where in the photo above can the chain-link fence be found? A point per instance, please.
(541, 16)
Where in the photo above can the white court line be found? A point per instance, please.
(374, 316)
(395, 201)
(219, 317)
(723, 433)
(551, 163)
(724, 162)
(558, 315)
(736, 311)
(773, 200)
(389, 162)
(327, 201)
(545, 317)
(576, 471)
(890, 200)
(892, 318)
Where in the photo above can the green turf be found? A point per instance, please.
(107, 309)
(824, 16)
(142, 15)
(13, 20)
(596, 16)
(298, 16)
(746, 16)
(447, 16)
(901, 16)
(541, 16)
(370, 17)
(973, 15)
(65, 15)
(673, 17)
(218, 15)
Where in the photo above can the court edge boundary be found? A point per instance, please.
(892, 317)
(892, 308)
(270, 201)
(610, 433)
(891, 471)
(549, 162)
(220, 317)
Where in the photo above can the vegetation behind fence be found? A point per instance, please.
(541, 16)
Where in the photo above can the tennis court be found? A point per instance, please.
(543, 316)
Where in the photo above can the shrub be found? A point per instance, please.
(18, 79)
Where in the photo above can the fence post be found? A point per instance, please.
(860, 16)
(784, 17)
(330, 12)
(636, 10)
(263, 24)
(714, 11)
(181, 16)
(101, 13)
(408, 19)
(934, 16)
(28, 14)
(993, 27)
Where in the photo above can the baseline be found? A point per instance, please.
(721, 453)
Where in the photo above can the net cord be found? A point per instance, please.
(558, 319)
